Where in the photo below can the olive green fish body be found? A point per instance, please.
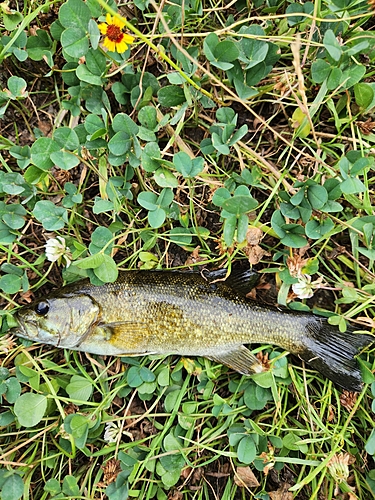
(168, 312)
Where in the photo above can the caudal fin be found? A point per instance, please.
(332, 352)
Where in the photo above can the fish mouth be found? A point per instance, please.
(26, 332)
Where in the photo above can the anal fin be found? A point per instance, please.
(240, 359)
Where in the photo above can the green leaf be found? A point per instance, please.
(237, 136)
(13, 215)
(133, 377)
(6, 236)
(51, 216)
(352, 185)
(85, 75)
(123, 122)
(165, 178)
(52, 486)
(294, 240)
(77, 426)
(220, 196)
(12, 488)
(218, 144)
(94, 34)
(364, 95)
(41, 150)
(150, 154)
(238, 205)
(39, 46)
(317, 196)
(120, 143)
(13, 389)
(320, 70)
(148, 200)
(226, 51)
(95, 60)
(79, 389)
(292, 442)
(370, 444)
(100, 238)
(353, 75)
(91, 262)
(10, 283)
(66, 138)
(17, 86)
(12, 20)
(107, 271)
(147, 117)
(75, 42)
(171, 95)
(30, 409)
(157, 217)
(242, 227)
(75, 14)
(64, 159)
(315, 229)
(186, 166)
(332, 45)
(101, 206)
(209, 44)
(230, 225)
(165, 198)
(70, 487)
(180, 235)
(246, 451)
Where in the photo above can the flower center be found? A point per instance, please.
(114, 33)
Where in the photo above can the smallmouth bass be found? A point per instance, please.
(185, 313)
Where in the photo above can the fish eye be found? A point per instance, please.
(42, 308)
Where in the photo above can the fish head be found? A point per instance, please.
(61, 321)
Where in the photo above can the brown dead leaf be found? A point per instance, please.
(255, 254)
(175, 495)
(245, 477)
(27, 297)
(194, 257)
(282, 493)
(253, 251)
(111, 470)
(348, 399)
(366, 127)
(367, 321)
(45, 127)
(7, 343)
(254, 235)
(336, 252)
(263, 358)
(296, 263)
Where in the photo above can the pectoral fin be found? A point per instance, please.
(128, 336)
(241, 360)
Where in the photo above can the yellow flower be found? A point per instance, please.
(115, 40)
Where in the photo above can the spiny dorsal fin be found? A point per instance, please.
(241, 282)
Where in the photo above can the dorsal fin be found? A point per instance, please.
(241, 282)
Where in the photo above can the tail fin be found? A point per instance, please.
(332, 352)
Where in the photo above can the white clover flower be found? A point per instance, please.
(56, 250)
(304, 289)
(113, 430)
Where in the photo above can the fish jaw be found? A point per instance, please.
(28, 329)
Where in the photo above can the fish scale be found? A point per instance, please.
(187, 313)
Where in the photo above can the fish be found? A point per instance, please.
(189, 314)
